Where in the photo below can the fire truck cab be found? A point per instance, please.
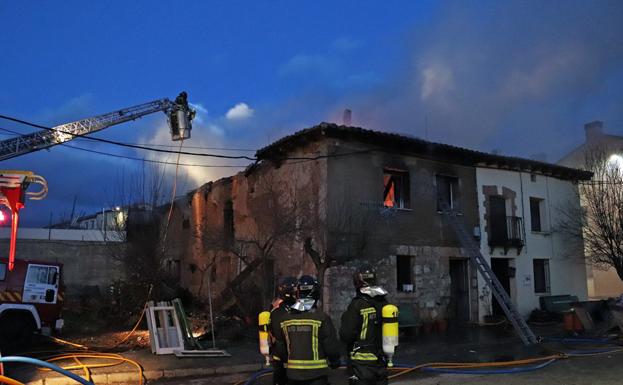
(31, 298)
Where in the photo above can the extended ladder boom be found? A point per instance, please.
(178, 113)
(473, 250)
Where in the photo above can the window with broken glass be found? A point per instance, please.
(447, 192)
(396, 189)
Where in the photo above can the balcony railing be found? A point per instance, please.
(506, 232)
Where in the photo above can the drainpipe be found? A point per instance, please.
(523, 213)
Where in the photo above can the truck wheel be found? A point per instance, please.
(16, 329)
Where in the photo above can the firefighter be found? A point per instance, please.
(361, 330)
(309, 338)
(286, 297)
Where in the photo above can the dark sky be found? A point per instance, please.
(518, 76)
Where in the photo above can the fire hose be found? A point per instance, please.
(487, 368)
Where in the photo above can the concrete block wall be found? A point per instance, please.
(85, 264)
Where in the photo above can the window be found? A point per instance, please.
(541, 275)
(41, 274)
(533, 177)
(447, 192)
(536, 222)
(396, 189)
(404, 272)
(2, 271)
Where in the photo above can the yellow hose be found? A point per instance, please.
(9, 381)
(86, 367)
(60, 341)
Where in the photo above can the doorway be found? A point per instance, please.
(501, 270)
(459, 290)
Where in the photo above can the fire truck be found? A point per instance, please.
(31, 298)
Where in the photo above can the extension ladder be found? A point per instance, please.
(473, 250)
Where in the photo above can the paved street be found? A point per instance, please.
(594, 370)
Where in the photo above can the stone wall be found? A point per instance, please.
(431, 296)
(85, 264)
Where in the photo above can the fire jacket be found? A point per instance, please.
(311, 344)
(361, 328)
(276, 315)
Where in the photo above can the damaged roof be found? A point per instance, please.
(396, 143)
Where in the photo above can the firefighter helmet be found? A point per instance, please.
(287, 290)
(308, 287)
(365, 276)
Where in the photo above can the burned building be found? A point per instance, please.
(325, 199)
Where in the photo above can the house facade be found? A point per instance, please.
(601, 283)
(518, 212)
(352, 196)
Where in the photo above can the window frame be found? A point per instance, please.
(404, 191)
(540, 205)
(547, 287)
(48, 268)
(455, 204)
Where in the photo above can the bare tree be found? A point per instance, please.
(279, 211)
(344, 235)
(143, 198)
(599, 219)
(275, 215)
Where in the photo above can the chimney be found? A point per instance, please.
(594, 130)
(346, 119)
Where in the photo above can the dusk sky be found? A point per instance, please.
(521, 77)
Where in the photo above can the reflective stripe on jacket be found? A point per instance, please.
(361, 328)
(310, 342)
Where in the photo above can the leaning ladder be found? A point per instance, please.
(505, 302)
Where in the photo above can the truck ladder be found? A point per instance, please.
(46, 138)
(473, 250)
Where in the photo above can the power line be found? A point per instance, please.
(196, 147)
(126, 144)
(84, 136)
(131, 157)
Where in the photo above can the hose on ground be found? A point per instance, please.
(34, 361)
(9, 381)
(86, 367)
(581, 340)
(481, 372)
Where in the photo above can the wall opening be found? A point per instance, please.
(404, 272)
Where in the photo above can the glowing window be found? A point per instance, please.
(396, 189)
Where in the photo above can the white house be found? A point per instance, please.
(517, 211)
(601, 284)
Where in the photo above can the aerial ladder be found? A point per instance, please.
(13, 184)
(472, 248)
(178, 113)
